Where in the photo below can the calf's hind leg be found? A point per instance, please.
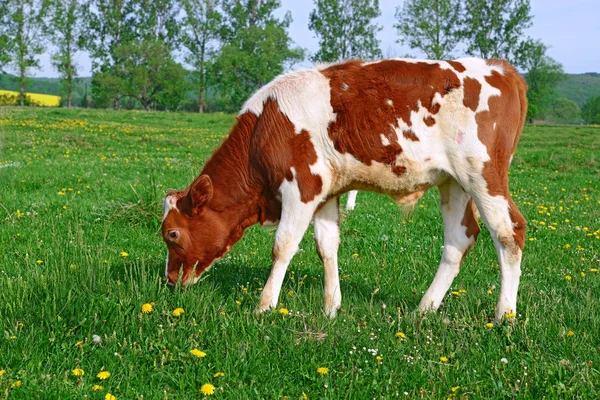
(460, 233)
(507, 227)
(327, 237)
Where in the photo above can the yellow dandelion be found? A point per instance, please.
(78, 372)
(593, 269)
(2, 372)
(147, 308)
(219, 375)
(355, 255)
(444, 359)
(284, 311)
(177, 312)
(16, 385)
(570, 333)
(455, 389)
(568, 277)
(96, 388)
(456, 293)
(323, 370)
(379, 358)
(110, 397)
(207, 389)
(39, 261)
(489, 325)
(102, 375)
(510, 315)
(198, 353)
(401, 335)
(124, 254)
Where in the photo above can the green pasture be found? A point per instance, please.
(80, 254)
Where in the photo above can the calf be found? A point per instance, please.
(397, 127)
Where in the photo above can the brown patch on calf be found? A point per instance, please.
(507, 111)
(279, 149)
(358, 96)
(469, 220)
(457, 66)
(472, 92)
(429, 121)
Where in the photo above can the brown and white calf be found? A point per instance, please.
(397, 127)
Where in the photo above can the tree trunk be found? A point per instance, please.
(116, 103)
(22, 88)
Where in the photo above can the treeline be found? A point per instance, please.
(151, 53)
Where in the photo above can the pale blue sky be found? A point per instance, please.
(570, 28)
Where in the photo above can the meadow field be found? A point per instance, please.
(81, 259)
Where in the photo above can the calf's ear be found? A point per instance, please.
(200, 193)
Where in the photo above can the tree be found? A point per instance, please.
(256, 48)
(494, 28)
(4, 36)
(432, 26)
(24, 32)
(591, 111)
(345, 29)
(543, 73)
(201, 26)
(65, 31)
(148, 72)
(107, 28)
(564, 111)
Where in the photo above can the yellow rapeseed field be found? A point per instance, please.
(44, 100)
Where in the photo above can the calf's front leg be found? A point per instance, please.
(295, 218)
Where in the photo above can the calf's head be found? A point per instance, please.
(196, 233)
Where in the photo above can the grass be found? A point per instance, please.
(80, 255)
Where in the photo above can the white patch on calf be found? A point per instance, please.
(169, 203)
(385, 141)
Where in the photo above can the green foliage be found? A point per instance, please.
(255, 49)
(591, 111)
(563, 111)
(4, 37)
(81, 186)
(201, 27)
(543, 73)
(345, 29)
(65, 30)
(150, 75)
(432, 26)
(579, 87)
(495, 28)
(25, 25)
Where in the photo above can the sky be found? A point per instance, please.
(571, 30)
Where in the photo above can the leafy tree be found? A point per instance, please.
(155, 20)
(256, 48)
(345, 29)
(494, 28)
(24, 32)
(108, 26)
(432, 26)
(201, 26)
(65, 31)
(591, 111)
(148, 73)
(4, 36)
(564, 110)
(543, 73)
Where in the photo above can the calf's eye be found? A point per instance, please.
(173, 234)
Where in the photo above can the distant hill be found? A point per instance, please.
(577, 87)
(45, 86)
(580, 87)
